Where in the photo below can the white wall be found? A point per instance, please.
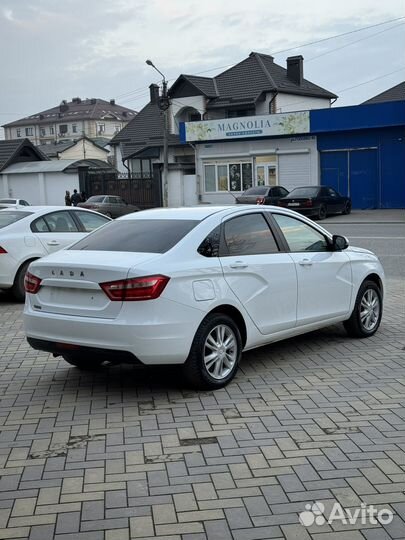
(217, 152)
(39, 188)
(291, 102)
(177, 104)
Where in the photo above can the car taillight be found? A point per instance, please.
(142, 288)
(308, 202)
(2, 250)
(31, 283)
(260, 200)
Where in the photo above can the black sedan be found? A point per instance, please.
(316, 201)
(262, 195)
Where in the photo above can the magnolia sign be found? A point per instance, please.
(247, 126)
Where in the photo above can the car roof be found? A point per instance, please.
(185, 212)
(39, 210)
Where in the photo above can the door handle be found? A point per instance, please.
(239, 264)
(305, 262)
(53, 243)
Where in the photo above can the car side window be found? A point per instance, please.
(60, 222)
(300, 236)
(121, 201)
(249, 234)
(91, 221)
(332, 192)
(39, 225)
(209, 247)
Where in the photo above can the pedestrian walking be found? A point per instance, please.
(75, 198)
(83, 196)
(68, 200)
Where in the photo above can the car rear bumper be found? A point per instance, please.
(8, 270)
(165, 338)
(312, 211)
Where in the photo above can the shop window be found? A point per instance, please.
(228, 177)
(247, 176)
(235, 177)
(222, 177)
(210, 180)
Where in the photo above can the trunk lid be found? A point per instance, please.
(70, 281)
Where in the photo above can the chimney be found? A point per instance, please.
(112, 101)
(154, 93)
(295, 68)
(63, 107)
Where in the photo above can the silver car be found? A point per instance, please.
(109, 205)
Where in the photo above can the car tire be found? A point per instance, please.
(322, 212)
(347, 209)
(204, 373)
(83, 362)
(17, 290)
(365, 319)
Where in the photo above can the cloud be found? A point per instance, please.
(97, 48)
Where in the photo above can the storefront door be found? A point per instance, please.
(266, 174)
(266, 170)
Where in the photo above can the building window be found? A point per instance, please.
(228, 177)
(18, 132)
(43, 132)
(74, 128)
(29, 131)
(240, 112)
(63, 129)
(141, 168)
(117, 128)
(194, 117)
(52, 130)
(100, 129)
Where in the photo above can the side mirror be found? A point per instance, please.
(339, 242)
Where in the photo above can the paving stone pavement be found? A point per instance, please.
(127, 453)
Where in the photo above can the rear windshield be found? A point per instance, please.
(303, 192)
(138, 235)
(97, 198)
(7, 217)
(256, 191)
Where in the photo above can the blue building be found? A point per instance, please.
(362, 152)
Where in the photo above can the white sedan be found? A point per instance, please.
(197, 286)
(30, 232)
(13, 203)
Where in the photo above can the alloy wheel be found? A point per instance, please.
(220, 351)
(370, 309)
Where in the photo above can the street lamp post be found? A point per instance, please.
(164, 105)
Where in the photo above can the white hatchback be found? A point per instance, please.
(30, 232)
(197, 286)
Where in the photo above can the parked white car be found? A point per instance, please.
(197, 286)
(32, 232)
(13, 203)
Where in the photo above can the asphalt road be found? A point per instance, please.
(386, 240)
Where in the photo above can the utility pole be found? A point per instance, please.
(164, 104)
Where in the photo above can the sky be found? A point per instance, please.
(52, 50)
